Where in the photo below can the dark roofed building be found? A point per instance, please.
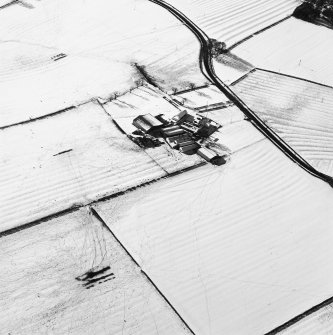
(147, 123)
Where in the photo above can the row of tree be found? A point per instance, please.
(315, 10)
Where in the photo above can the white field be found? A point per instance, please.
(142, 100)
(231, 21)
(229, 68)
(294, 47)
(238, 135)
(102, 161)
(225, 116)
(44, 86)
(237, 249)
(40, 295)
(201, 97)
(301, 113)
(101, 41)
(319, 323)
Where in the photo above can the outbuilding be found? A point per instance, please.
(147, 123)
(211, 156)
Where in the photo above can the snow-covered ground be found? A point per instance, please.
(319, 322)
(294, 47)
(201, 97)
(35, 85)
(40, 294)
(238, 249)
(298, 111)
(141, 100)
(39, 176)
(102, 42)
(231, 21)
(230, 68)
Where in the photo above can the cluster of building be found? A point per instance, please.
(190, 133)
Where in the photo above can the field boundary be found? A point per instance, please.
(94, 211)
(38, 118)
(259, 32)
(293, 77)
(102, 199)
(300, 316)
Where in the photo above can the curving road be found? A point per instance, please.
(207, 69)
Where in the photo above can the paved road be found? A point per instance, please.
(207, 69)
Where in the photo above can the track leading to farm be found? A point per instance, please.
(207, 69)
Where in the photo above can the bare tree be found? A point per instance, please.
(174, 90)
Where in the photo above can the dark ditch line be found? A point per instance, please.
(301, 316)
(95, 213)
(9, 4)
(102, 199)
(38, 118)
(259, 32)
(214, 107)
(293, 77)
(143, 72)
(63, 152)
(99, 218)
(191, 89)
(147, 183)
(243, 76)
(38, 221)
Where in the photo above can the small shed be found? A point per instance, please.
(147, 123)
(211, 156)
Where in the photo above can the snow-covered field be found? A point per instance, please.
(102, 43)
(238, 249)
(39, 176)
(40, 294)
(141, 100)
(294, 47)
(230, 68)
(301, 113)
(231, 21)
(201, 97)
(45, 86)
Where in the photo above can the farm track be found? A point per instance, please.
(207, 69)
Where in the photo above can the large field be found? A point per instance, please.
(298, 111)
(68, 159)
(232, 247)
(99, 235)
(70, 276)
(293, 47)
(102, 48)
(231, 21)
